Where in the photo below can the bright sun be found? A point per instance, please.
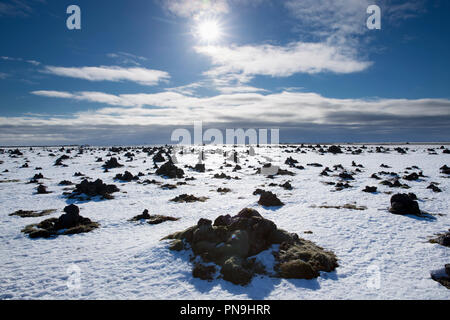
(209, 31)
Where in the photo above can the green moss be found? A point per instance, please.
(232, 242)
(297, 269)
(32, 214)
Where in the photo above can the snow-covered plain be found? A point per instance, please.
(127, 260)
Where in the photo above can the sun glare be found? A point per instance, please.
(209, 31)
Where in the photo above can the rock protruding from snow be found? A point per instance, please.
(269, 199)
(231, 241)
(93, 189)
(170, 170)
(69, 223)
(112, 163)
(153, 219)
(404, 204)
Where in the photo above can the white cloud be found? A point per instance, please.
(240, 89)
(283, 109)
(3, 75)
(326, 17)
(281, 61)
(33, 62)
(127, 58)
(196, 8)
(15, 8)
(111, 73)
(54, 94)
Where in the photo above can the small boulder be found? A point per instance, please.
(269, 199)
(403, 204)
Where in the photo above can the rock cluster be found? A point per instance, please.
(126, 176)
(93, 189)
(170, 170)
(231, 242)
(112, 163)
(188, 198)
(69, 223)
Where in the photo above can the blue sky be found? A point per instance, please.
(139, 69)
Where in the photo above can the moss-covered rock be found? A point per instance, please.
(69, 223)
(204, 272)
(32, 214)
(188, 198)
(231, 242)
(93, 189)
(153, 219)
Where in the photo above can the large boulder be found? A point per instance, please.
(231, 242)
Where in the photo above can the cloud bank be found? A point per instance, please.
(141, 76)
(136, 117)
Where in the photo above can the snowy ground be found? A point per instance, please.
(125, 260)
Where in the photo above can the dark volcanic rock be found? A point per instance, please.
(16, 152)
(291, 162)
(127, 176)
(283, 172)
(445, 169)
(341, 186)
(38, 176)
(394, 184)
(434, 187)
(59, 161)
(170, 170)
(403, 204)
(231, 241)
(70, 219)
(41, 189)
(334, 149)
(153, 219)
(370, 189)
(223, 190)
(32, 214)
(69, 223)
(287, 186)
(204, 272)
(65, 183)
(200, 167)
(188, 198)
(269, 199)
(442, 239)
(222, 176)
(112, 163)
(158, 157)
(442, 276)
(346, 176)
(412, 177)
(93, 189)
